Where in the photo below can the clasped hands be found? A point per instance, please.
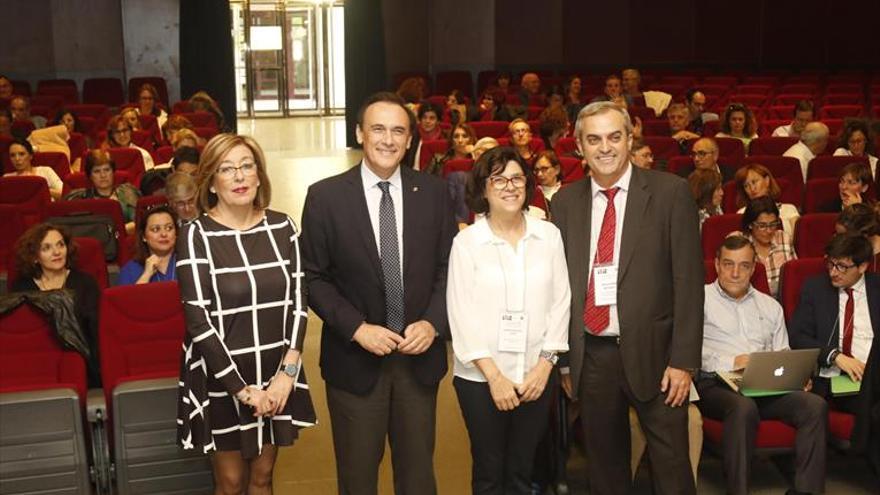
(417, 338)
(267, 402)
(507, 395)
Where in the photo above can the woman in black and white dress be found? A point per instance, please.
(243, 392)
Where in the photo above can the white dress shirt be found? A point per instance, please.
(872, 160)
(800, 151)
(783, 131)
(863, 334)
(488, 276)
(374, 198)
(752, 323)
(600, 202)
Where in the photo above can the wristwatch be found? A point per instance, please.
(290, 369)
(549, 356)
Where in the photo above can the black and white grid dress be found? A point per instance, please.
(244, 298)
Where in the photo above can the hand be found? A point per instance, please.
(850, 199)
(637, 127)
(851, 366)
(419, 337)
(279, 391)
(809, 385)
(258, 399)
(535, 381)
(151, 265)
(676, 383)
(684, 135)
(567, 387)
(377, 339)
(740, 362)
(503, 393)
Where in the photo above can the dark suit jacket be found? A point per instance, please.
(728, 173)
(660, 278)
(344, 274)
(815, 321)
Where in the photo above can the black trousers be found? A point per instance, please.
(400, 408)
(605, 398)
(806, 412)
(503, 443)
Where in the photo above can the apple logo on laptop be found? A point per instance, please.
(779, 371)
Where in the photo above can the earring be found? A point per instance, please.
(213, 191)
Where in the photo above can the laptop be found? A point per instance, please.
(773, 373)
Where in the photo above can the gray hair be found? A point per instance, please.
(814, 132)
(597, 108)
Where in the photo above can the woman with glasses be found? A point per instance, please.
(754, 181)
(857, 140)
(101, 172)
(243, 392)
(148, 103)
(119, 136)
(739, 122)
(761, 225)
(154, 259)
(521, 139)
(508, 301)
(548, 172)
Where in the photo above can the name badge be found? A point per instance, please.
(514, 332)
(605, 284)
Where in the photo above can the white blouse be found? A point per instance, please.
(487, 277)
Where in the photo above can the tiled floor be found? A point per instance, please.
(304, 150)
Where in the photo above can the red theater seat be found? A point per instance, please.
(571, 169)
(656, 128)
(455, 79)
(773, 437)
(494, 129)
(90, 259)
(457, 165)
(771, 145)
(840, 426)
(758, 280)
(826, 167)
(130, 161)
(813, 232)
(663, 148)
(135, 83)
(13, 227)
(201, 119)
(565, 146)
(55, 160)
(730, 150)
(794, 274)
(104, 90)
(840, 111)
(715, 229)
(108, 207)
(146, 202)
(675, 164)
(30, 195)
(782, 167)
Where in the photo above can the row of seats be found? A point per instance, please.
(812, 233)
(100, 90)
(133, 424)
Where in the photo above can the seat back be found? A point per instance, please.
(782, 167)
(90, 259)
(100, 206)
(146, 202)
(758, 280)
(429, 149)
(819, 193)
(571, 169)
(104, 90)
(201, 119)
(55, 160)
(824, 166)
(457, 165)
(30, 195)
(12, 229)
(495, 129)
(565, 146)
(715, 229)
(840, 111)
(794, 274)
(454, 79)
(129, 160)
(771, 145)
(677, 164)
(663, 147)
(813, 232)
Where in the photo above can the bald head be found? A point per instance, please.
(705, 153)
(815, 137)
(531, 82)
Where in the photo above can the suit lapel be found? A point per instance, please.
(579, 239)
(637, 199)
(873, 290)
(412, 203)
(361, 216)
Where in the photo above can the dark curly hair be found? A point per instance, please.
(493, 162)
(27, 249)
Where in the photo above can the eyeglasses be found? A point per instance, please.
(542, 170)
(185, 203)
(702, 153)
(836, 265)
(228, 171)
(766, 225)
(500, 182)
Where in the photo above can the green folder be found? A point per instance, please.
(844, 385)
(756, 392)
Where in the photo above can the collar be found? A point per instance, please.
(622, 182)
(808, 152)
(535, 228)
(724, 295)
(371, 180)
(858, 287)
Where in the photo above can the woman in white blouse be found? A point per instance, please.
(21, 154)
(857, 140)
(508, 301)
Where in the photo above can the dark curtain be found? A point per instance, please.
(364, 57)
(206, 62)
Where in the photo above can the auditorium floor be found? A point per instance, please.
(304, 150)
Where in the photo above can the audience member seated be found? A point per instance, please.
(773, 248)
(857, 140)
(679, 118)
(181, 190)
(5, 123)
(573, 97)
(461, 145)
(696, 103)
(201, 101)
(705, 155)
(20, 106)
(548, 172)
(154, 259)
(101, 170)
(413, 90)
(174, 124)
(740, 320)
(861, 219)
(813, 140)
(6, 88)
(739, 122)
(130, 115)
(429, 122)
(853, 182)
(456, 109)
(554, 125)
(483, 145)
(836, 313)
(530, 88)
(803, 115)
(754, 181)
(491, 107)
(148, 103)
(46, 260)
(119, 136)
(21, 154)
(502, 81)
(614, 92)
(184, 160)
(705, 185)
(520, 140)
(641, 154)
(631, 81)
(70, 121)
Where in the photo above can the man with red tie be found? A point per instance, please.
(636, 272)
(837, 313)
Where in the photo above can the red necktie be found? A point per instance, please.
(848, 314)
(596, 318)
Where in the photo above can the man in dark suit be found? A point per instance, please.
(838, 313)
(376, 242)
(633, 252)
(705, 155)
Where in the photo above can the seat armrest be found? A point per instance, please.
(96, 405)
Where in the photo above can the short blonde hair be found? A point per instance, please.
(182, 134)
(217, 149)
